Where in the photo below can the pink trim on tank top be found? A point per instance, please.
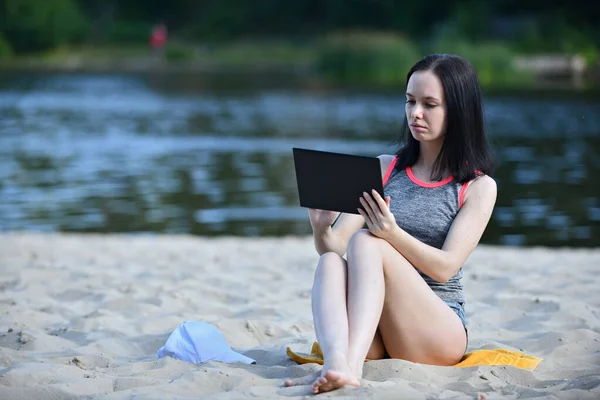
(419, 182)
(389, 170)
(461, 194)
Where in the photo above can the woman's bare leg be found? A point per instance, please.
(386, 291)
(414, 323)
(366, 293)
(331, 321)
(333, 268)
(365, 297)
(383, 290)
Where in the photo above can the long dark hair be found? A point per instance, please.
(465, 152)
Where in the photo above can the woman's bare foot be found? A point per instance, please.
(336, 373)
(303, 380)
(333, 380)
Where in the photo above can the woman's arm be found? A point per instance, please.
(336, 238)
(463, 236)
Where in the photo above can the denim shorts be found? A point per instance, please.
(459, 309)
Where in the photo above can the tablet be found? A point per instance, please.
(335, 181)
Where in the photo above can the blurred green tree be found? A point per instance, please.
(533, 25)
(32, 25)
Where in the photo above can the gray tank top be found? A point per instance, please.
(426, 211)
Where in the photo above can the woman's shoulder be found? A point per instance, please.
(484, 181)
(483, 187)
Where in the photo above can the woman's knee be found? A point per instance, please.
(362, 238)
(364, 242)
(330, 261)
(331, 258)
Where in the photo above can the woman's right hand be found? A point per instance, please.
(320, 220)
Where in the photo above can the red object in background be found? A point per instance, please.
(158, 38)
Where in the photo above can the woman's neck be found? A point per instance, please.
(428, 153)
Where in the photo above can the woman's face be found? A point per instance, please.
(426, 107)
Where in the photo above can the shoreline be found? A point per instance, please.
(589, 82)
(149, 67)
(253, 240)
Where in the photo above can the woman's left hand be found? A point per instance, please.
(377, 214)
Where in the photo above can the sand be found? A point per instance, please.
(83, 317)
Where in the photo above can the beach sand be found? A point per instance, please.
(83, 316)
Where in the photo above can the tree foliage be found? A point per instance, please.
(30, 25)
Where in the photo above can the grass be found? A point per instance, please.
(237, 54)
(492, 60)
(94, 53)
(341, 58)
(5, 48)
(366, 57)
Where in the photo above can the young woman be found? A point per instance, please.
(399, 291)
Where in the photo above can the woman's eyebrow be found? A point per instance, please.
(426, 98)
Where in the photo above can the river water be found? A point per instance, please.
(212, 155)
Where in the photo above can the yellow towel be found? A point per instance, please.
(474, 358)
